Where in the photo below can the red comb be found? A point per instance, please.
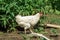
(41, 13)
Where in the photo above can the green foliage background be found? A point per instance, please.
(10, 8)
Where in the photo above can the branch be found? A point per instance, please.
(40, 35)
(51, 25)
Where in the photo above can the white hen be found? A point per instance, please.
(28, 21)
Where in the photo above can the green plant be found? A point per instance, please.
(9, 9)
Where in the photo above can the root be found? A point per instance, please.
(40, 35)
(51, 25)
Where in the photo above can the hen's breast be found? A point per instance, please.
(34, 21)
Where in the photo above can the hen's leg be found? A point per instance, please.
(31, 30)
(24, 30)
(26, 27)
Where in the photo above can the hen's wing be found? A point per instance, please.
(23, 24)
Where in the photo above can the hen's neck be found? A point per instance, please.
(37, 15)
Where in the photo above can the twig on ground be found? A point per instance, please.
(40, 35)
(51, 25)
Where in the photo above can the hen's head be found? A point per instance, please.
(40, 13)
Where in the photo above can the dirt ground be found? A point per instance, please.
(22, 36)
